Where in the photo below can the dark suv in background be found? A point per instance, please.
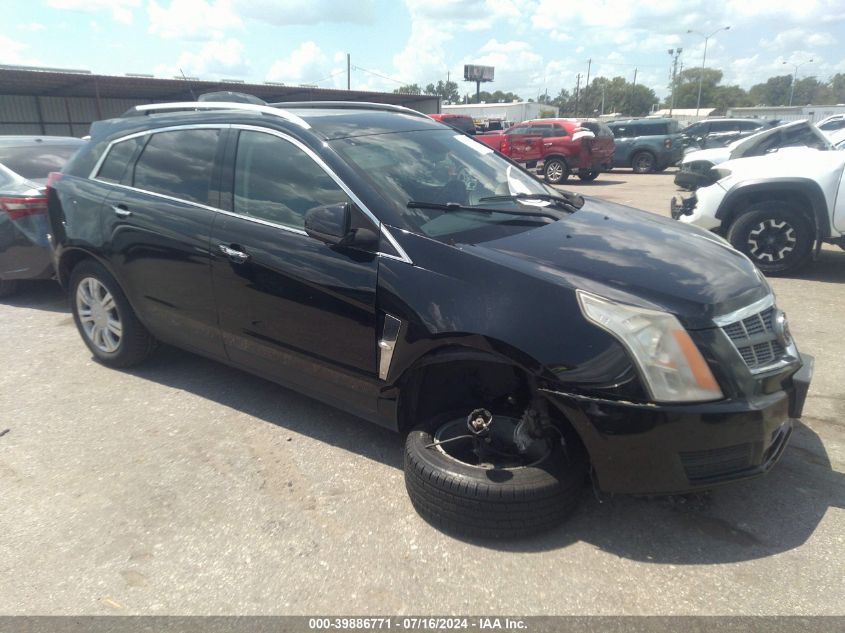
(720, 132)
(646, 145)
(520, 336)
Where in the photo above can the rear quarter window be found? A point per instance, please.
(178, 164)
(119, 157)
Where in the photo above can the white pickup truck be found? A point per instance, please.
(776, 208)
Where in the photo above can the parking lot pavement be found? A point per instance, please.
(186, 487)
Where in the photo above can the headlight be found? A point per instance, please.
(671, 365)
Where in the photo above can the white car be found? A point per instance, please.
(694, 170)
(774, 208)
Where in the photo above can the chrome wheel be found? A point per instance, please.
(772, 240)
(98, 315)
(554, 171)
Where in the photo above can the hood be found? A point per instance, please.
(714, 155)
(635, 257)
(787, 162)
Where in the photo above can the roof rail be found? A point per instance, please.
(216, 105)
(349, 105)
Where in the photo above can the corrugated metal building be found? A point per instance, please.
(789, 113)
(516, 111)
(61, 102)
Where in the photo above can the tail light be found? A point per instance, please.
(53, 177)
(667, 143)
(19, 207)
(504, 145)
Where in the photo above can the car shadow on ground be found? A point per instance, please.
(742, 521)
(41, 295)
(830, 268)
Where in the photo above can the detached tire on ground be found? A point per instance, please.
(774, 235)
(489, 501)
(588, 175)
(105, 319)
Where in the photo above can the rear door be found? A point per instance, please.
(291, 307)
(157, 226)
(526, 142)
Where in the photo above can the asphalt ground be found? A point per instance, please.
(187, 487)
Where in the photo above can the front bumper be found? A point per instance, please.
(669, 449)
(679, 206)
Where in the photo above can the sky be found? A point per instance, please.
(534, 45)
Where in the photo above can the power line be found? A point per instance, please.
(325, 78)
(401, 83)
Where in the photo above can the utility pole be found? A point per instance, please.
(675, 53)
(603, 85)
(703, 61)
(795, 78)
(577, 92)
(633, 90)
(348, 71)
(589, 64)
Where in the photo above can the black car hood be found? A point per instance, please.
(635, 257)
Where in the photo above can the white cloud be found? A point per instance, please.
(223, 58)
(121, 10)
(193, 19)
(307, 63)
(30, 26)
(792, 38)
(14, 52)
(307, 11)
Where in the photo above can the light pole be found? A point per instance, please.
(703, 60)
(675, 54)
(795, 77)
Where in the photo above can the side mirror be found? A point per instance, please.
(329, 223)
(333, 224)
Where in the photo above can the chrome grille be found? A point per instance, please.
(755, 339)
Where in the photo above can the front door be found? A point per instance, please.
(290, 306)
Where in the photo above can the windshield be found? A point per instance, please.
(439, 167)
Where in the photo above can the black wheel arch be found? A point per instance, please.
(804, 193)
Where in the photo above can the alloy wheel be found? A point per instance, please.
(772, 240)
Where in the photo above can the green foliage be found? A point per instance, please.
(410, 89)
(448, 90)
(604, 96)
(548, 113)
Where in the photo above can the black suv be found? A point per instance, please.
(370, 257)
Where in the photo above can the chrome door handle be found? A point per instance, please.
(239, 257)
(121, 212)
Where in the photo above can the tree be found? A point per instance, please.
(409, 89)
(498, 96)
(604, 96)
(448, 90)
(686, 88)
(774, 92)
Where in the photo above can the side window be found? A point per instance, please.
(114, 168)
(278, 182)
(518, 129)
(749, 125)
(178, 164)
(723, 126)
(621, 131)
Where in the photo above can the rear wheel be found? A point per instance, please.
(643, 162)
(774, 235)
(555, 170)
(588, 175)
(496, 493)
(105, 319)
(8, 287)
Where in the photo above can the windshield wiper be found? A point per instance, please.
(454, 206)
(569, 201)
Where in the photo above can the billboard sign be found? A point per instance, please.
(478, 73)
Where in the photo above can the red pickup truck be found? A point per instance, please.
(563, 146)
